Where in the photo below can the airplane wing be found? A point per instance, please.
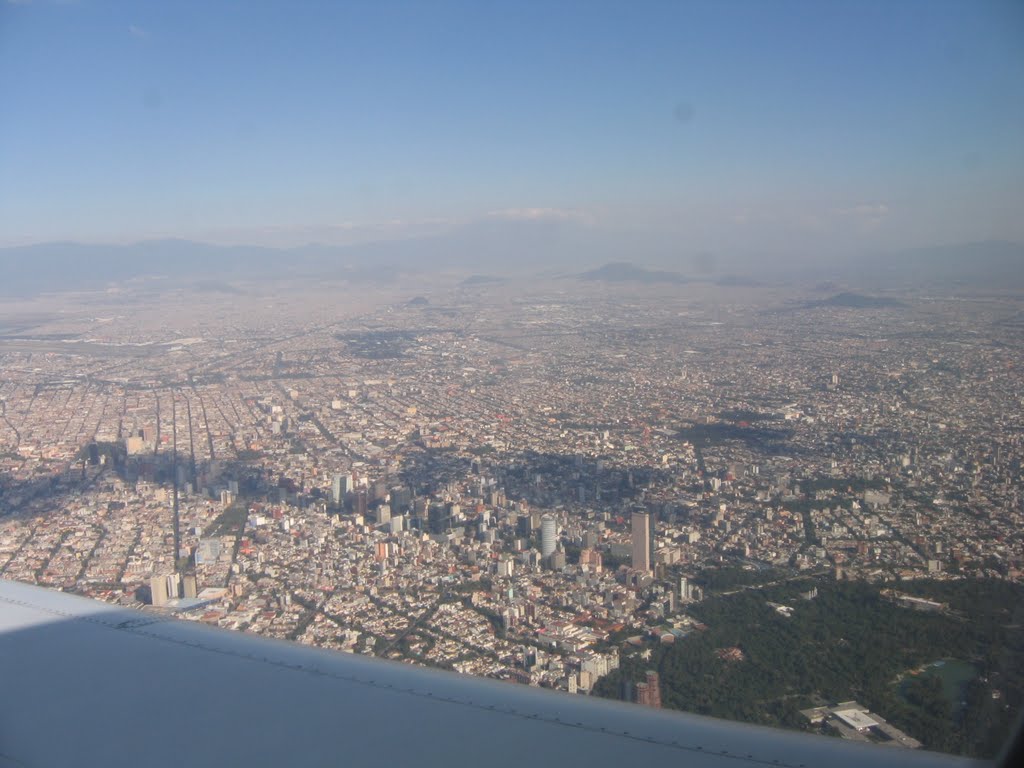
(83, 683)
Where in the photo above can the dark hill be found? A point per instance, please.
(623, 272)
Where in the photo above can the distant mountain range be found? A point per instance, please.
(483, 248)
(493, 244)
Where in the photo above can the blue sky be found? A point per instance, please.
(811, 126)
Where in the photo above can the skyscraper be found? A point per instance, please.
(548, 531)
(158, 589)
(641, 541)
(361, 503)
(342, 485)
(648, 693)
(438, 518)
(173, 585)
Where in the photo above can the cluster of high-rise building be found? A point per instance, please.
(648, 692)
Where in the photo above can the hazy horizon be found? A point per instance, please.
(737, 128)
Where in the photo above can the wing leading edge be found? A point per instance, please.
(85, 683)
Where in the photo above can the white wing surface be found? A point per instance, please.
(87, 684)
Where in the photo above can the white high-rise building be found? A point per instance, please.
(173, 586)
(685, 589)
(548, 533)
